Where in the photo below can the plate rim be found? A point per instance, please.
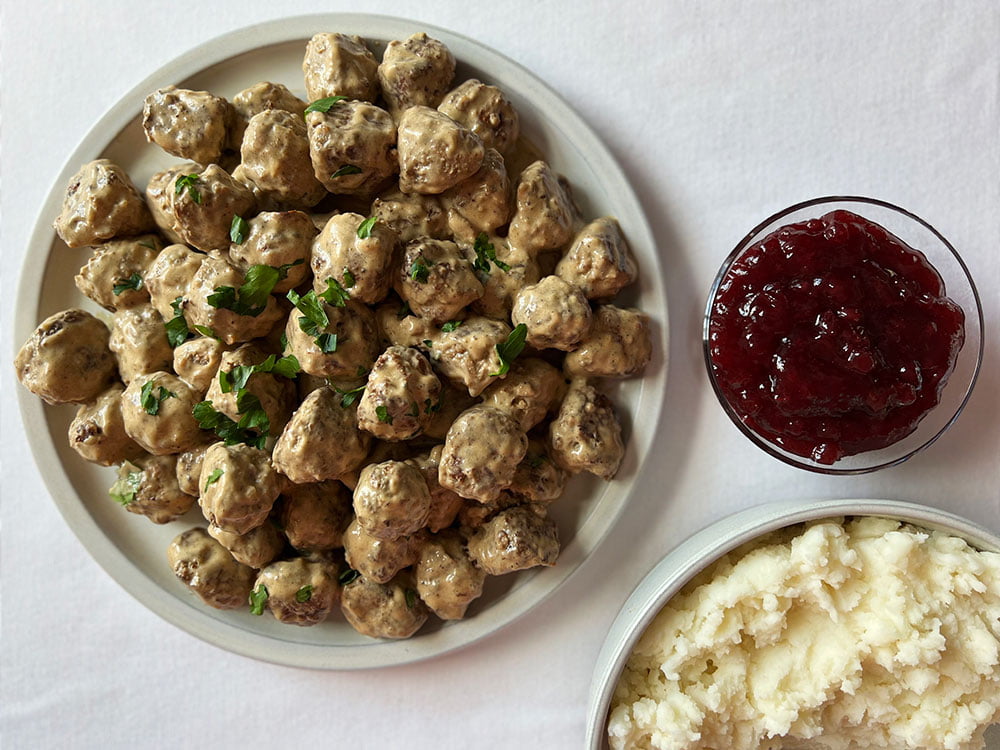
(189, 616)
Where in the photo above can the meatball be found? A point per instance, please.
(156, 409)
(115, 274)
(435, 152)
(275, 393)
(353, 147)
(474, 514)
(417, 71)
(401, 393)
(101, 203)
(259, 98)
(256, 548)
(98, 434)
(148, 486)
(315, 516)
(197, 361)
(453, 401)
(321, 440)
(486, 111)
(170, 276)
(280, 239)
(391, 499)
(238, 487)
(599, 260)
(160, 192)
(384, 610)
(377, 559)
(411, 215)
(299, 591)
(556, 313)
(436, 279)
(515, 539)
(346, 342)
(447, 579)
(189, 469)
(340, 65)
(398, 326)
(276, 165)
(361, 265)
(139, 342)
(67, 359)
(467, 355)
(203, 204)
(531, 388)
(538, 478)
(481, 453)
(543, 214)
(203, 307)
(585, 435)
(187, 124)
(480, 203)
(502, 283)
(617, 346)
(211, 572)
(445, 504)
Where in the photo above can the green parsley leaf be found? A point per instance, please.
(324, 104)
(383, 415)
(485, 253)
(314, 319)
(411, 598)
(509, 350)
(124, 490)
(237, 378)
(365, 230)
(349, 397)
(188, 181)
(147, 243)
(206, 331)
(213, 477)
(258, 598)
(349, 280)
(414, 410)
(133, 282)
(348, 576)
(304, 594)
(151, 403)
(428, 343)
(327, 343)
(419, 270)
(335, 294)
(177, 327)
(404, 311)
(451, 325)
(239, 230)
(252, 296)
(346, 170)
(361, 372)
(227, 430)
(283, 342)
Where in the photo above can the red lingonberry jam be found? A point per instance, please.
(832, 337)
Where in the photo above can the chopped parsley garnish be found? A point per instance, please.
(349, 397)
(258, 598)
(251, 298)
(419, 271)
(304, 594)
(147, 243)
(346, 170)
(132, 283)
(231, 432)
(414, 410)
(411, 598)
(177, 327)
(428, 343)
(324, 104)
(237, 378)
(214, 477)
(239, 230)
(151, 403)
(283, 342)
(335, 294)
(509, 350)
(347, 576)
(187, 182)
(348, 279)
(383, 415)
(314, 318)
(361, 372)
(206, 331)
(430, 408)
(124, 490)
(404, 311)
(365, 230)
(451, 325)
(485, 253)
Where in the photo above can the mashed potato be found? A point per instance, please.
(869, 634)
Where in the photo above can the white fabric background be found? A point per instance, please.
(721, 113)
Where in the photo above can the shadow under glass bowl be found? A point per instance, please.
(959, 287)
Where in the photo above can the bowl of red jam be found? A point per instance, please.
(843, 335)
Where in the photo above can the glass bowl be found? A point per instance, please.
(959, 286)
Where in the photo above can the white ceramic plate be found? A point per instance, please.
(131, 549)
(697, 552)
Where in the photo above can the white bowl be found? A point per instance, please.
(699, 551)
(131, 549)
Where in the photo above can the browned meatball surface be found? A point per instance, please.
(515, 539)
(340, 65)
(299, 591)
(467, 355)
(187, 124)
(209, 570)
(481, 453)
(280, 239)
(599, 261)
(139, 342)
(256, 548)
(486, 111)
(101, 203)
(353, 147)
(617, 345)
(416, 71)
(436, 279)
(239, 486)
(170, 276)
(316, 515)
(330, 340)
(481, 202)
(98, 434)
(586, 435)
(391, 499)
(411, 215)
(157, 412)
(197, 361)
(115, 275)
(556, 313)
(435, 152)
(377, 559)
(384, 610)
(530, 390)
(544, 214)
(358, 254)
(203, 204)
(400, 396)
(148, 487)
(447, 579)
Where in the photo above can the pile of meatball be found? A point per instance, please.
(388, 423)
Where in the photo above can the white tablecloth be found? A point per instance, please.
(721, 113)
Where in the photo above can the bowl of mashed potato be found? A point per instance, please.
(844, 624)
